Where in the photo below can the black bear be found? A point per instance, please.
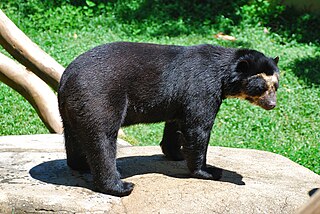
(122, 83)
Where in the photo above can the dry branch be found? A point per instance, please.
(32, 88)
(313, 205)
(25, 82)
(28, 53)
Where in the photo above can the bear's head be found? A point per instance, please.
(255, 78)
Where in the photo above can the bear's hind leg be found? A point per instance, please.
(76, 158)
(171, 141)
(102, 161)
(100, 144)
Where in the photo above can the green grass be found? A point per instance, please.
(16, 115)
(292, 129)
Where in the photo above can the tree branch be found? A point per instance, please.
(28, 53)
(32, 88)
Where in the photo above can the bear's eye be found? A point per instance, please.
(276, 86)
(256, 86)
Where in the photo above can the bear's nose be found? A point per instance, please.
(271, 105)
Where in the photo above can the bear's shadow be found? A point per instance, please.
(57, 172)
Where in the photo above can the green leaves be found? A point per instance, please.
(90, 3)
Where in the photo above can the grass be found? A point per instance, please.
(291, 129)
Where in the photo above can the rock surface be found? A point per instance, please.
(34, 178)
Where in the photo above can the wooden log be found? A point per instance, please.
(28, 53)
(312, 206)
(22, 80)
(32, 88)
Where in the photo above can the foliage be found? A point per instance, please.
(162, 18)
(262, 11)
(65, 29)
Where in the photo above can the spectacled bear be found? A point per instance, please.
(123, 83)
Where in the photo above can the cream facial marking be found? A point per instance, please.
(239, 96)
(267, 99)
(270, 80)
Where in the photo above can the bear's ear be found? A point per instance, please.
(276, 59)
(243, 66)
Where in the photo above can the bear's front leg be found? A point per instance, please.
(195, 151)
(196, 133)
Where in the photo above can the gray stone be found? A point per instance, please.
(34, 178)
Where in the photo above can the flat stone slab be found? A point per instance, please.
(34, 178)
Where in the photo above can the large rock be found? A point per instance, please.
(34, 178)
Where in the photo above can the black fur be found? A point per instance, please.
(121, 84)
